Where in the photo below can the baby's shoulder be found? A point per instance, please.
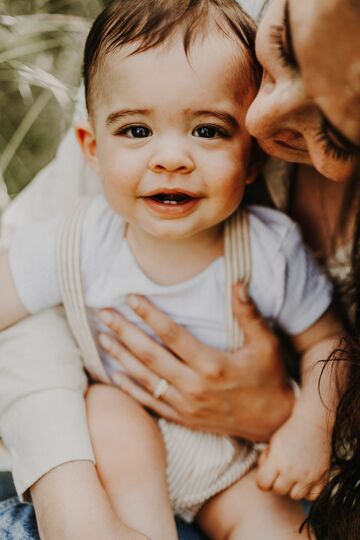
(101, 221)
(271, 231)
(102, 229)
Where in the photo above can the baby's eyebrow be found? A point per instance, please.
(221, 115)
(116, 115)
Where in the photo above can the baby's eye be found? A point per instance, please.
(209, 132)
(135, 132)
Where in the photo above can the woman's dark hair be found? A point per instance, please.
(336, 513)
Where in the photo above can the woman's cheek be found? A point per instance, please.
(338, 171)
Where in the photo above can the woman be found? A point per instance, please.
(300, 115)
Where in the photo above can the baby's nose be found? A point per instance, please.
(171, 159)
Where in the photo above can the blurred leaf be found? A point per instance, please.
(39, 77)
(37, 23)
(41, 44)
(22, 130)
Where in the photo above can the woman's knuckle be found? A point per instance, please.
(169, 332)
(213, 371)
(113, 350)
(142, 380)
(197, 390)
(147, 357)
(189, 410)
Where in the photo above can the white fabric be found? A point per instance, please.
(286, 284)
(42, 410)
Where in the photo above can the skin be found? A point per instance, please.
(308, 83)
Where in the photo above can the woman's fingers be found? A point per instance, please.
(246, 313)
(192, 407)
(160, 407)
(146, 350)
(135, 369)
(174, 336)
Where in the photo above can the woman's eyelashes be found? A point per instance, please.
(334, 147)
(205, 131)
(285, 54)
(281, 39)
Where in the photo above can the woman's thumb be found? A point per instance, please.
(244, 309)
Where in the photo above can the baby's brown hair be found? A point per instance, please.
(149, 23)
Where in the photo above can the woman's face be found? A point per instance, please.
(308, 106)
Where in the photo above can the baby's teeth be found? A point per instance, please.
(170, 202)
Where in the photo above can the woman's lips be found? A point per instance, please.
(296, 147)
(288, 138)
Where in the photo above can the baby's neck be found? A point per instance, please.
(168, 261)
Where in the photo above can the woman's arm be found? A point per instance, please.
(245, 393)
(11, 307)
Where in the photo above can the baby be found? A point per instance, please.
(168, 84)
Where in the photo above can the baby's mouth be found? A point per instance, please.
(174, 199)
(171, 198)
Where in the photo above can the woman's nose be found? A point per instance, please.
(171, 158)
(279, 107)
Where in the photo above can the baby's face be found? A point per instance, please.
(170, 142)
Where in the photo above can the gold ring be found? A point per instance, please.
(161, 389)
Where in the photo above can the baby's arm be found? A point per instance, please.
(12, 309)
(298, 458)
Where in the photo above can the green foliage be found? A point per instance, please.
(41, 44)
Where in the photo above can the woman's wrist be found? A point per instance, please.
(266, 413)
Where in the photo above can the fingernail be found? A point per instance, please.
(243, 293)
(106, 317)
(132, 301)
(105, 341)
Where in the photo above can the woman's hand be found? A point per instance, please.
(244, 393)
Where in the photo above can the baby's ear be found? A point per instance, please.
(86, 137)
(256, 162)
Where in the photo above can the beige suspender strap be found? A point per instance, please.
(237, 267)
(69, 268)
